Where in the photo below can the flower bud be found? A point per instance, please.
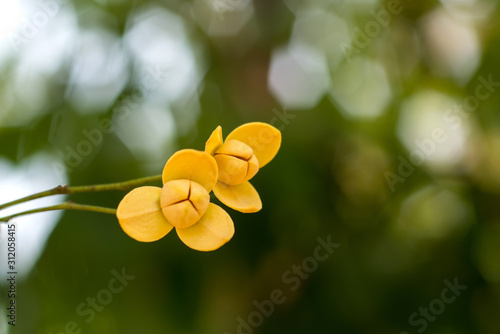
(183, 202)
(236, 162)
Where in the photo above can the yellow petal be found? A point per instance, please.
(183, 202)
(243, 197)
(174, 192)
(191, 165)
(181, 215)
(235, 148)
(213, 230)
(140, 216)
(253, 167)
(199, 197)
(214, 142)
(232, 170)
(236, 162)
(264, 139)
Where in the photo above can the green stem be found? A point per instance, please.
(62, 190)
(62, 206)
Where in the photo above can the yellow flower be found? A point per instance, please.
(246, 149)
(149, 213)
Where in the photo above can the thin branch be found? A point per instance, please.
(62, 206)
(63, 190)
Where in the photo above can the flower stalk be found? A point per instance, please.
(62, 206)
(66, 190)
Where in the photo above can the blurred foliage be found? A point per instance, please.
(398, 244)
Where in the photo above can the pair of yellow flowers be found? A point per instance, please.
(149, 213)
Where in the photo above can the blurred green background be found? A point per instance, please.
(391, 141)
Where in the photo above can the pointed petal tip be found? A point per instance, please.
(214, 141)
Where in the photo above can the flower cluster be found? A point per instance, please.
(225, 167)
